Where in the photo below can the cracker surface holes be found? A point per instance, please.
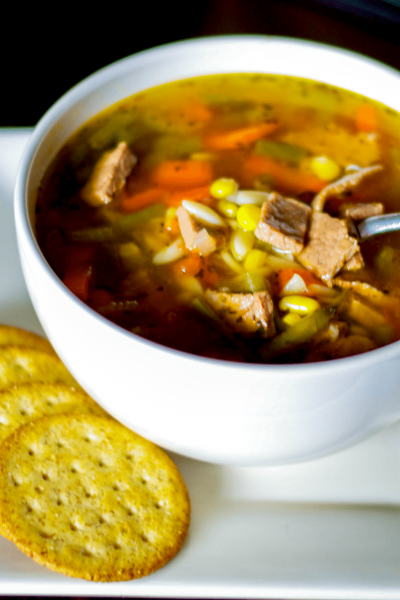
(80, 526)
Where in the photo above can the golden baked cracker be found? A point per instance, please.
(87, 497)
(14, 336)
(20, 364)
(23, 403)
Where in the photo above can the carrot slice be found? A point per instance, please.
(130, 203)
(190, 265)
(78, 255)
(175, 175)
(199, 194)
(77, 280)
(366, 119)
(237, 138)
(285, 177)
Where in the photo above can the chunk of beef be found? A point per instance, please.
(361, 210)
(329, 247)
(343, 185)
(248, 314)
(357, 211)
(194, 235)
(283, 223)
(109, 176)
(353, 212)
(355, 263)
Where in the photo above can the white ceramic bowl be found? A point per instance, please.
(211, 410)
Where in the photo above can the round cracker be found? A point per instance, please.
(23, 403)
(14, 336)
(21, 364)
(87, 497)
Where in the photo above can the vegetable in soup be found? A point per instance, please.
(217, 216)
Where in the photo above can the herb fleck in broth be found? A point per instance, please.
(216, 216)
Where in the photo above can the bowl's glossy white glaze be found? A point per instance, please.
(207, 409)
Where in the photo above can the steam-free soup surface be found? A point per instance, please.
(218, 215)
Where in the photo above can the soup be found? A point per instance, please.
(218, 216)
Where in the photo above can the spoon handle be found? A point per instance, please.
(376, 225)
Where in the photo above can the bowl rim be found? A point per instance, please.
(113, 71)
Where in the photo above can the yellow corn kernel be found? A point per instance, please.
(223, 187)
(130, 254)
(254, 260)
(300, 305)
(170, 215)
(228, 209)
(248, 216)
(325, 168)
(290, 319)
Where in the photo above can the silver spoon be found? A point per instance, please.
(376, 225)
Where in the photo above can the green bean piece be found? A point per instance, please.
(136, 219)
(92, 234)
(205, 309)
(281, 151)
(301, 332)
(247, 283)
(121, 226)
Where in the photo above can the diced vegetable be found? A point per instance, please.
(92, 234)
(255, 259)
(366, 118)
(248, 216)
(249, 282)
(130, 254)
(137, 219)
(284, 177)
(228, 209)
(286, 274)
(198, 194)
(290, 319)
(223, 187)
(301, 305)
(295, 285)
(133, 202)
(325, 168)
(190, 285)
(190, 265)
(238, 138)
(171, 221)
(281, 151)
(299, 333)
(77, 280)
(182, 174)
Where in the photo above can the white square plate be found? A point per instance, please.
(326, 529)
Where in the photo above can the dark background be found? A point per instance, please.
(45, 51)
